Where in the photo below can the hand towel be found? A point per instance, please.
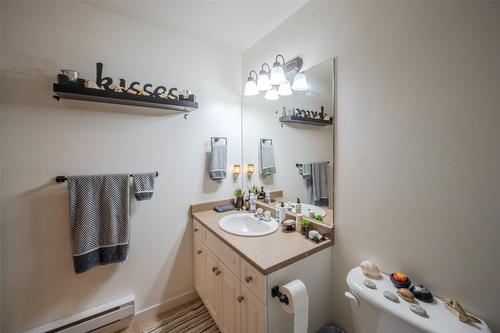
(268, 166)
(99, 219)
(319, 181)
(305, 170)
(144, 184)
(218, 161)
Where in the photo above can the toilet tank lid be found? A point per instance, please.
(439, 318)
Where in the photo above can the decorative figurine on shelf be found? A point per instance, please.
(92, 85)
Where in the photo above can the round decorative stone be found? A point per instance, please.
(391, 296)
(418, 310)
(369, 284)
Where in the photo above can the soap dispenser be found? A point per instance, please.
(280, 212)
(298, 207)
(262, 193)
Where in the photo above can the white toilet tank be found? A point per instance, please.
(373, 313)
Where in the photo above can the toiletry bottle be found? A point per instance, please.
(298, 219)
(282, 211)
(267, 198)
(262, 194)
(277, 213)
(298, 207)
(253, 203)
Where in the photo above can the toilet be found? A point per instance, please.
(373, 313)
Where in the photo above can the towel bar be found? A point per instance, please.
(62, 179)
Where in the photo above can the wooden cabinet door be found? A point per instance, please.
(198, 266)
(230, 299)
(253, 313)
(211, 283)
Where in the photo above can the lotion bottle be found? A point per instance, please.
(298, 207)
(253, 203)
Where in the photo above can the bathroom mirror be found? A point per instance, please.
(299, 131)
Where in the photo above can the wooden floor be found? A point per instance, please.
(140, 326)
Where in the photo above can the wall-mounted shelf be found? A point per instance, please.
(109, 96)
(305, 121)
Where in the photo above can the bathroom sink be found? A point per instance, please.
(245, 224)
(317, 210)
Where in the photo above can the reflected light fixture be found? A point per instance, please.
(250, 169)
(272, 94)
(277, 73)
(251, 85)
(236, 170)
(284, 89)
(300, 82)
(263, 79)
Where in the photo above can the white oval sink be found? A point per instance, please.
(317, 210)
(245, 224)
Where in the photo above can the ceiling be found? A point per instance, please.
(235, 24)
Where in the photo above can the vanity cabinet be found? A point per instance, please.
(232, 290)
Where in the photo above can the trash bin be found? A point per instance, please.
(330, 329)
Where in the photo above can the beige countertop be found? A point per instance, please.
(266, 253)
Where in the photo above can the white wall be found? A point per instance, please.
(417, 178)
(42, 138)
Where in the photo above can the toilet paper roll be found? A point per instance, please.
(298, 304)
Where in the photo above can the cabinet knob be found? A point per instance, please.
(214, 268)
(217, 273)
(196, 229)
(248, 279)
(200, 251)
(240, 299)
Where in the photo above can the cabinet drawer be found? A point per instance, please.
(255, 281)
(197, 229)
(228, 257)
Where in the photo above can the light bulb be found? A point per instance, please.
(251, 86)
(284, 89)
(300, 82)
(272, 94)
(263, 83)
(277, 74)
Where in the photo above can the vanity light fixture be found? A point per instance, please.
(251, 85)
(300, 82)
(236, 170)
(263, 83)
(250, 169)
(272, 94)
(284, 89)
(277, 73)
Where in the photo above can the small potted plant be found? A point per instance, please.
(238, 198)
(253, 189)
(305, 226)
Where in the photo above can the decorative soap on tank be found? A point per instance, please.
(422, 293)
(370, 269)
(406, 294)
(400, 280)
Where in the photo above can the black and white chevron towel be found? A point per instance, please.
(99, 219)
(144, 184)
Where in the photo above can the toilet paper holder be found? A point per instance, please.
(275, 292)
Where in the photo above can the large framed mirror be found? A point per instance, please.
(290, 142)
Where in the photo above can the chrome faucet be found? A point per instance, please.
(263, 216)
